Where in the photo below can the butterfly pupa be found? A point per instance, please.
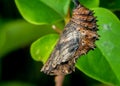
(77, 38)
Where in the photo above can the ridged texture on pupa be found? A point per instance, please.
(77, 38)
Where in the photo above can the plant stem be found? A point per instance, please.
(56, 29)
(59, 80)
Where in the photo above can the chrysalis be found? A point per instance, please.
(77, 38)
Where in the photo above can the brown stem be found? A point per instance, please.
(59, 80)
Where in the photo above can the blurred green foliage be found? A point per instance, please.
(17, 68)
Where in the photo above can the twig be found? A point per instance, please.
(56, 29)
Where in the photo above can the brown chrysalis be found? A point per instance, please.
(77, 38)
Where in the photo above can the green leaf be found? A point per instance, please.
(2, 34)
(43, 11)
(96, 66)
(20, 33)
(60, 6)
(109, 43)
(41, 49)
(2, 39)
(90, 3)
(104, 64)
